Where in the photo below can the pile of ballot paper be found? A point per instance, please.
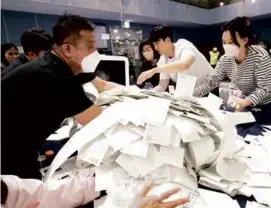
(144, 136)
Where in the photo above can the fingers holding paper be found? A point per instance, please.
(156, 201)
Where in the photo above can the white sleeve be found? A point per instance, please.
(67, 193)
(161, 63)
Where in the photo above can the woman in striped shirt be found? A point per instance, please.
(247, 66)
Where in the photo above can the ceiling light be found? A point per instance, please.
(118, 37)
(221, 3)
(116, 31)
(253, 1)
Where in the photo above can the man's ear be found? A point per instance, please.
(66, 50)
(167, 40)
(31, 55)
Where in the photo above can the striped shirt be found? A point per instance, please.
(252, 76)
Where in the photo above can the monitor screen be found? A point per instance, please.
(112, 70)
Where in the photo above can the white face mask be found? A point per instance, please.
(90, 62)
(148, 55)
(231, 50)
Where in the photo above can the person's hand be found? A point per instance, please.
(239, 104)
(33, 205)
(145, 75)
(157, 201)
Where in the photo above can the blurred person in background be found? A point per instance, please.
(248, 68)
(35, 42)
(8, 53)
(149, 58)
(177, 58)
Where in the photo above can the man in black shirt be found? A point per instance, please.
(34, 42)
(39, 95)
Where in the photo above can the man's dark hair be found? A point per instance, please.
(36, 40)
(147, 42)
(242, 26)
(161, 32)
(70, 26)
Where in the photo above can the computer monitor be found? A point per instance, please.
(114, 69)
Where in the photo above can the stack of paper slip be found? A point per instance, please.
(150, 137)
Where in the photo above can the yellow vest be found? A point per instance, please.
(214, 57)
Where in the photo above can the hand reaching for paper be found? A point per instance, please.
(144, 201)
(144, 76)
(239, 104)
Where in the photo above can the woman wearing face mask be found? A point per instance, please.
(149, 58)
(8, 53)
(248, 68)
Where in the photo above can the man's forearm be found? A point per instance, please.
(111, 85)
(159, 88)
(177, 66)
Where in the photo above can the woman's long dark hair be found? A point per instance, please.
(242, 26)
(147, 42)
(4, 48)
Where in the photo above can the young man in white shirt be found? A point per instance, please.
(180, 57)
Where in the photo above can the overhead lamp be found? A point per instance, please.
(253, 1)
(221, 3)
(116, 31)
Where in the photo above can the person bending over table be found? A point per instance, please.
(39, 95)
(247, 66)
(180, 57)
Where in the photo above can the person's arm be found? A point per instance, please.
(162, 86)
(213, 81)
(177, 66)
(102, 85)
(88, 115)
(185, 58)
(263, 80)
(55, 193)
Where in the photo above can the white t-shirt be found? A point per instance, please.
(201, 68)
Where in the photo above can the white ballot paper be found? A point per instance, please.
(156, 111)
(137, 148)
(215, 199)
(232, 170)
(158, 135)
(172, 156)
(146, 165)
(121, 136)
(127, 163)
(199, 154)
(255, 205)
(89, 132)
(240, 117)
(262, 195)
(94, 151)
(185, 85)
